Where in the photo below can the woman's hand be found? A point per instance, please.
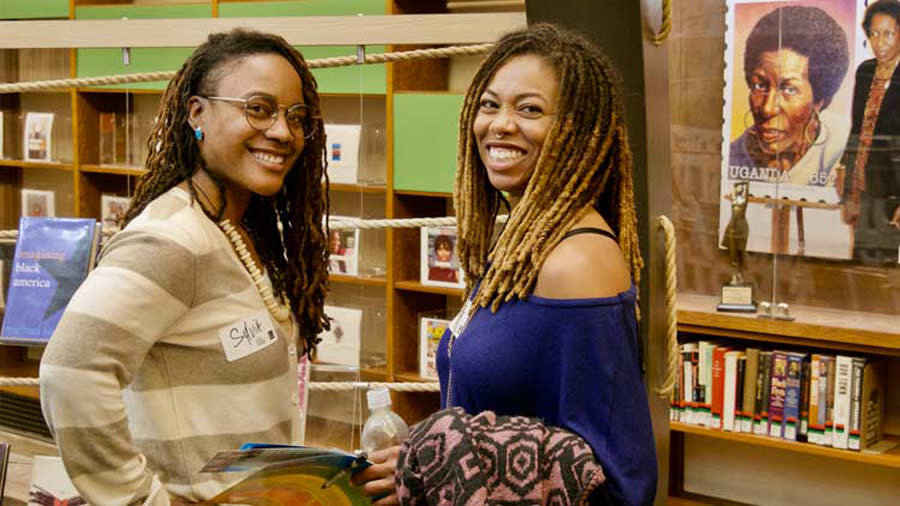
(377, 480)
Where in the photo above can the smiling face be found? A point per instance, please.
(884, 37)
(249, 160)
(516, 111)
(781, 99)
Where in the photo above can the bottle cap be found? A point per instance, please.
(378, 398)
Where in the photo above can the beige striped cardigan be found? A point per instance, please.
(135, 384)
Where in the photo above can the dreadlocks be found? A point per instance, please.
(585, 161)
(296, 257)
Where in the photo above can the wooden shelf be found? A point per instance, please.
(887, 459)
(123, 170)
(816, 327)
(357, 188)
(356, 280)
(415, 286)
(443, 195)
(25, 164)
(412, 377)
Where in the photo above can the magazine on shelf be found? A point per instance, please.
(50, 485)
(286, 475)
(342, 151)
(341, 344)
(38, 203)
(430, 332)
(38, 126)
(439, 259)
(52, 258)
(343, 250)
(112, 210)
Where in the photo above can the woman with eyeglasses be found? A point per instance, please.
(184, 340)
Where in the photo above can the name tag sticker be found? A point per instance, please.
(461, 320)
(247, 335)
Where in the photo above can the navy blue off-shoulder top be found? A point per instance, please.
(573, 363)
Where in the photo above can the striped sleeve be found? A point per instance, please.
(145, 282)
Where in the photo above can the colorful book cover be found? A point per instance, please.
(718, 386)
(872, 403)
(816, 429)
(829, 401)
(52, 258)
(803, 433)
(792, 395)
(777, 394)
(289, 475)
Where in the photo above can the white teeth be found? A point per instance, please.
(268, 157)
(504, 154)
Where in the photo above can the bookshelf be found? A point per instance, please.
(392, 184)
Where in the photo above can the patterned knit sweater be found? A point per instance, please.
(135, 382)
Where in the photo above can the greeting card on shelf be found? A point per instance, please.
(430, 332)
(341, 344)
(343, 249)
(52, 258)
(50, 485)
(38, 126)
(439, 260)
(38, 203)
(112, 210)
(342, 150)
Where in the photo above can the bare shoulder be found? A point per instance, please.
(583, 266)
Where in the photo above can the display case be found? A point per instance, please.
(741, 113)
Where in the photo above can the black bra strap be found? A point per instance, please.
(589, 230)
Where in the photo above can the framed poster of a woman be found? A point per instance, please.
(787, 109)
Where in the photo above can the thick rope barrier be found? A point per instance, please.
(319, 63)
(672, 350)
(315, 386)
(666, 27)
(334, 224)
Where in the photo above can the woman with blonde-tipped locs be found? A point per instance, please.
(552, 333)
(549, 330)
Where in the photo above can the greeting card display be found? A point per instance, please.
(38, 126)
(342, 151)
(112, 210)
(439, 260)
(343, 250)
(430, 332)
(38, 203)
(341, 344)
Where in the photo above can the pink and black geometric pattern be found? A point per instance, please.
(455, 459)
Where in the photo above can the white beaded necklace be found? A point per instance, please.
(280, 311)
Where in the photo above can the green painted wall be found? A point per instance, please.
(106, 61)
(34, 9)
(370, 79)
(425, 135)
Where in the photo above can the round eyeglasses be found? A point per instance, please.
(262, 112)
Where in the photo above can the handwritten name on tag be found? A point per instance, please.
(247, 335)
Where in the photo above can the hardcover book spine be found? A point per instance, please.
(829, 402)
(729, 399)
(718, 386)
(855, 397)
(778, 392)
(792, 396)
(750, 384)
(761, 422)
(803, 435)
(688, 384)
(739, 393)
(872, 403)
(816, 422)
(843, 381)
(704, 379)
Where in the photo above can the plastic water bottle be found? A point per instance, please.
(384, 428)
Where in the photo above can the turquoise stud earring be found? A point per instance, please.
(198, 133)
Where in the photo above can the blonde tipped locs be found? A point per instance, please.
(295, 257)
(585, 161)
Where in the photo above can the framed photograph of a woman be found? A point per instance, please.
(787, 118)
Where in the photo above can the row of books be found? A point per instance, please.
(824, 399)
